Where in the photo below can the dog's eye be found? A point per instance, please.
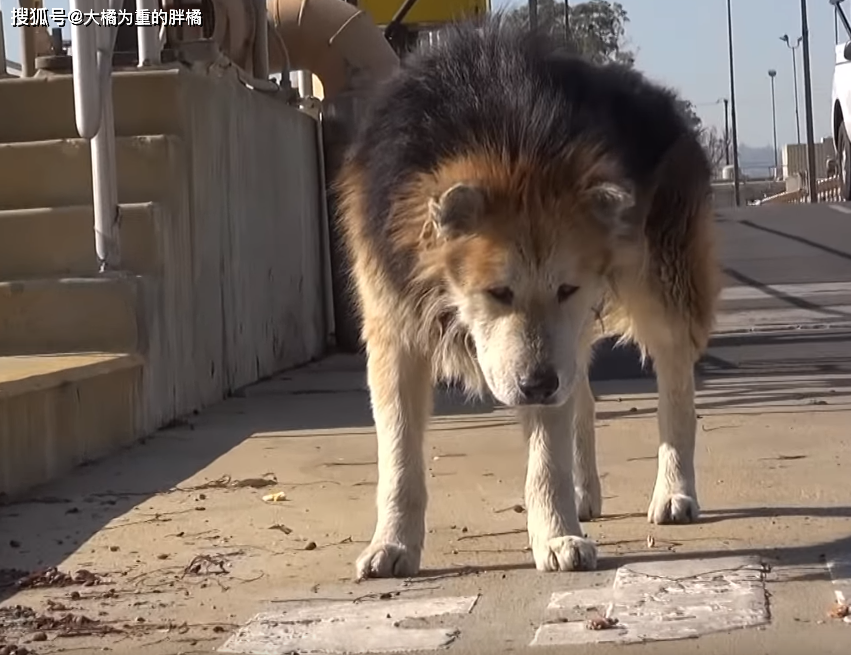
(502, 295)
(565, 291)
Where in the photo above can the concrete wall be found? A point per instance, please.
(240, 295)
(794, 157)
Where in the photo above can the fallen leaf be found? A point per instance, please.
(280, 526)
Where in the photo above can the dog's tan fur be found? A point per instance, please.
(639, 263)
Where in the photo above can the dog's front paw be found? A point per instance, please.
(388, 560)
(672, 508)
(565, 554)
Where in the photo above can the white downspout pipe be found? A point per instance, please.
(150, 46)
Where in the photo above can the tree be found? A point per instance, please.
(598, 32)
(715, 146)
(597, 27)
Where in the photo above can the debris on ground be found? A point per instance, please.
(53, 577)
(12, 649)
(22, 619)
(206, 564)
(276, 497)
(601, 623)
(280, 526)
(227, 482)
(8, 577)
(840, 611)
(517, 509)
(651, 541)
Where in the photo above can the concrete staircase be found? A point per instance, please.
(222, 279)
(72, 341)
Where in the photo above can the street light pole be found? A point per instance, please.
(726, 131)
(793, 48)
(736, 194)
(566, 22)
(533, 15)
(812, 182)
(771, 75)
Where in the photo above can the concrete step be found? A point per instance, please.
(58, 411)
(145, 102)
(59, 241)
(58, 173)
(67, 315)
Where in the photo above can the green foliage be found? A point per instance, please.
(597, 27)
(598, 32)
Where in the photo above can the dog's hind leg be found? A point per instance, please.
(401, 394)
(555, 533)
(589, 497)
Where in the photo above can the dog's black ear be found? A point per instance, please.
(457, 210)
(614, 205)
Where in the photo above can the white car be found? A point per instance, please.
(841, 107)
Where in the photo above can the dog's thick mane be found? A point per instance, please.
(517, 114)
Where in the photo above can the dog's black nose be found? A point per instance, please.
(540, 386)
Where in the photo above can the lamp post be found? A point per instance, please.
(812, 182)
(566, 22)
(533, 15)
(736, 194)
(785, 38)
(726, 102)
(771, 75)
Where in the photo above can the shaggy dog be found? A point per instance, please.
(505, 205)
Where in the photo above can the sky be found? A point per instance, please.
(683, 44)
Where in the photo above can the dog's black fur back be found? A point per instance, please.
(491, 84)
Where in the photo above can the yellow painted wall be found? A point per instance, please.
(424, 11)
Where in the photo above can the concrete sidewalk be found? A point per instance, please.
(186, 551)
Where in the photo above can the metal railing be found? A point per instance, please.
(829, 190)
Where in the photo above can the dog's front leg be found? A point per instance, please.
(555, 534)
(401, 394)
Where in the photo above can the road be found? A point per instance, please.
(787, 272)
(192, 559)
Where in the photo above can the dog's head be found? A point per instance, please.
(525, 270)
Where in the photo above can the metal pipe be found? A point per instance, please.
(325, 237)
(398, 17)
(87, 104)
(150, 47)
(842, 17)
(27, 43)
(771, 75)
(736, 193)
(3, 71)
(305, 83)
(566, 22)
(812, 181)
(793, 48)
(104, 174)
(260, 67)
(726, 131)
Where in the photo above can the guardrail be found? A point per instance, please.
(828, 189)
